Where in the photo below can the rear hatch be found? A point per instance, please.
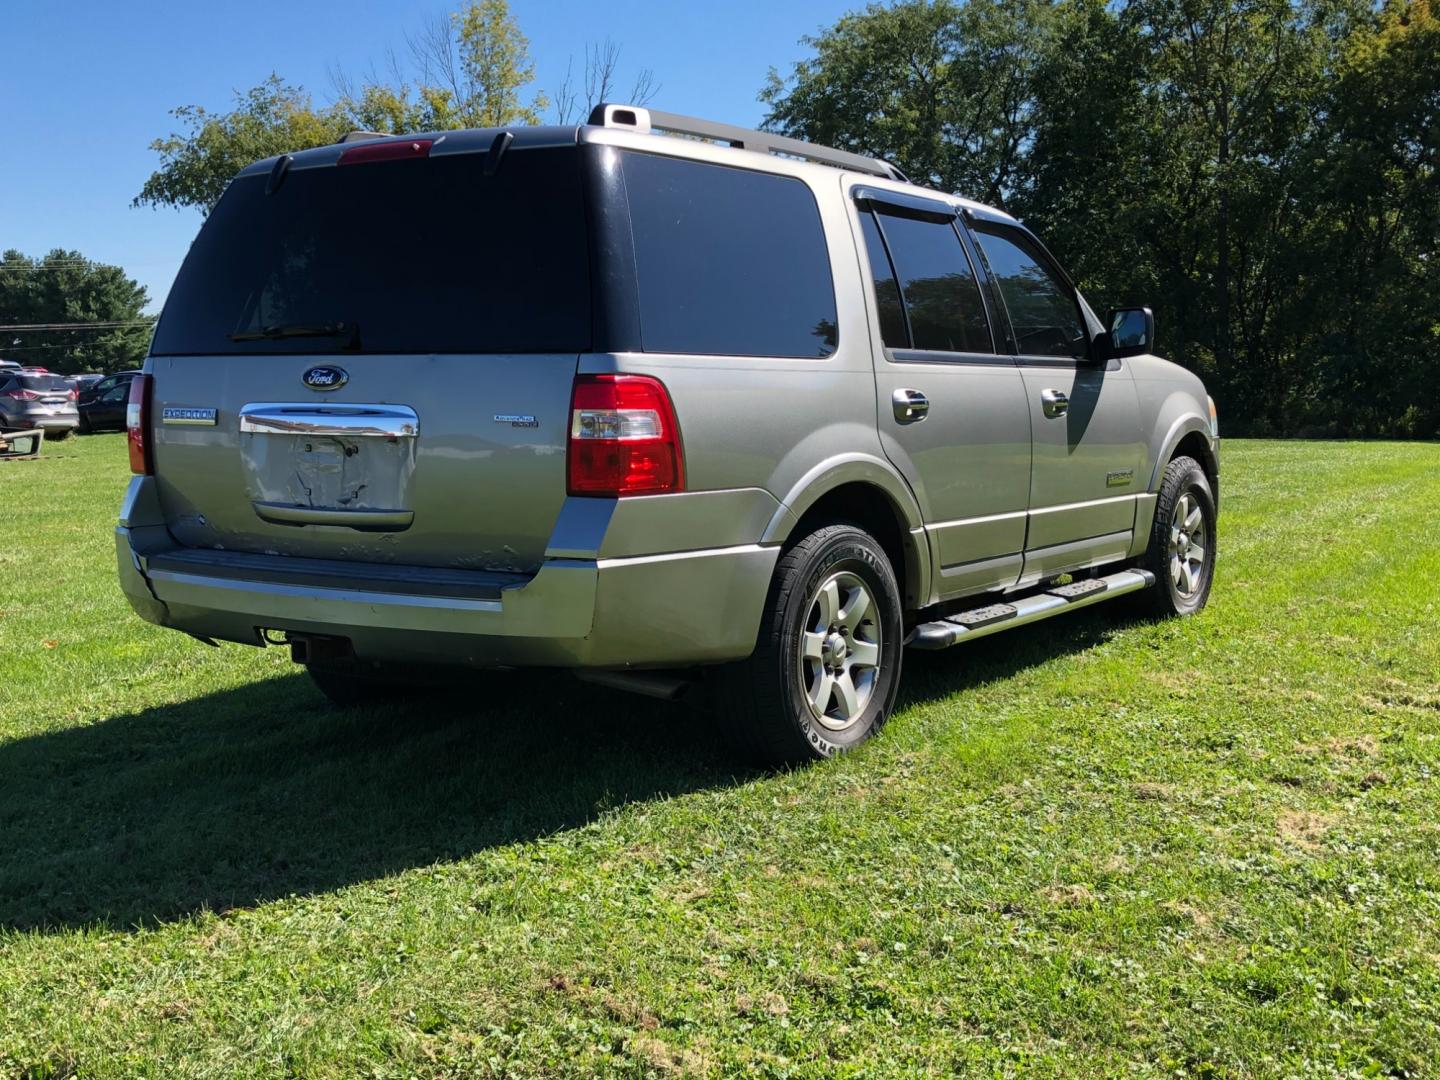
(41, 395)
(373, 361)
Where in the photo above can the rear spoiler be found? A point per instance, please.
(21, 444)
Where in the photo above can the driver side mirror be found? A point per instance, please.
(1131, 331)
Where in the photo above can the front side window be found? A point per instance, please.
(1043, 312)
(942, 299)
(729, 261)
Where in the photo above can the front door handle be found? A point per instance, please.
(1054, 402)
(911, 406)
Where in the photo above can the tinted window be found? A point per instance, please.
(729, 261)
(887, 290)
(941, 296)
(1043, 311)
(425, 255)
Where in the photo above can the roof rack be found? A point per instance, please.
(360, 136)
(644, 121)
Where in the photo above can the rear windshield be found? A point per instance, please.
(41, 383)
(413, 256)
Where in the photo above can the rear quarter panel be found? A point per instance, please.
(792, 427)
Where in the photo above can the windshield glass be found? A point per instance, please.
(416, 256)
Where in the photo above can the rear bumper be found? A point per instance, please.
(654, 610)
(50, 421)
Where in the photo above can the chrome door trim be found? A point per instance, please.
(983, 519)
(308, 418)
(1042, 510)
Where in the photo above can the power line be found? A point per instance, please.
(74, 346)
(34, 328)
(21, 264)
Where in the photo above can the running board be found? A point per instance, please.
(981, 622)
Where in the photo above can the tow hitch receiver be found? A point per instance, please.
(318, 648)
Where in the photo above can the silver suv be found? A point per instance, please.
(636, 405)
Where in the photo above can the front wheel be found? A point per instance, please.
(1182, 547)
(826, 667)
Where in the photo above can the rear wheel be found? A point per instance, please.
(826, 667)
(1181, 554)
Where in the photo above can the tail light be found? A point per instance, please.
(22, 395)
(137, 427)
(623, 437)
(74, 395)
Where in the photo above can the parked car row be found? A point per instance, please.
(33, 397)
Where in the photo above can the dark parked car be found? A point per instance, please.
(86, 381)
(102, 404)
(37, 401)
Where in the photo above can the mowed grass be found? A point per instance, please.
(1096, 846)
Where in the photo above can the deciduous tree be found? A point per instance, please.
(65, 287)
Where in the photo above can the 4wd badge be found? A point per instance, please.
(325, 377)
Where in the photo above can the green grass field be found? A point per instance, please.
(1091, 847)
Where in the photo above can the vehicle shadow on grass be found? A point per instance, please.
(251, 794)
(248, 795)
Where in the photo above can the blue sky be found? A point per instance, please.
(86, 86)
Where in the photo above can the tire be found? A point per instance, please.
(764, 702)
(83, 427)
(1184, 566)
(350, 684)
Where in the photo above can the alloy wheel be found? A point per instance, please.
(840, 648)
(1189, 539)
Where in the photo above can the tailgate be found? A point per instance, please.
(369, 357)
(455, 461)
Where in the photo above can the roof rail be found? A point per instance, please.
(361, 136)
(644, 121)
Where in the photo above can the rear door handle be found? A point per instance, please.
(911, 406)
(1054, 402)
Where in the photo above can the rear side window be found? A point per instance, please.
(887, 289)
(728, 261)
(1043, 311)
(941, 296)
(415, 256)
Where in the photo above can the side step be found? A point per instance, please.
(981, 622)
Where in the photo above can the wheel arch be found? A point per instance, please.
(1189, 435)
(867, 493)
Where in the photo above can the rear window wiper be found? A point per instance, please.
(291, 330)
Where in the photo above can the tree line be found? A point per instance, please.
(65, 289)
(1262, 172)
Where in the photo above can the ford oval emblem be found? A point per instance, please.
(325, 377)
